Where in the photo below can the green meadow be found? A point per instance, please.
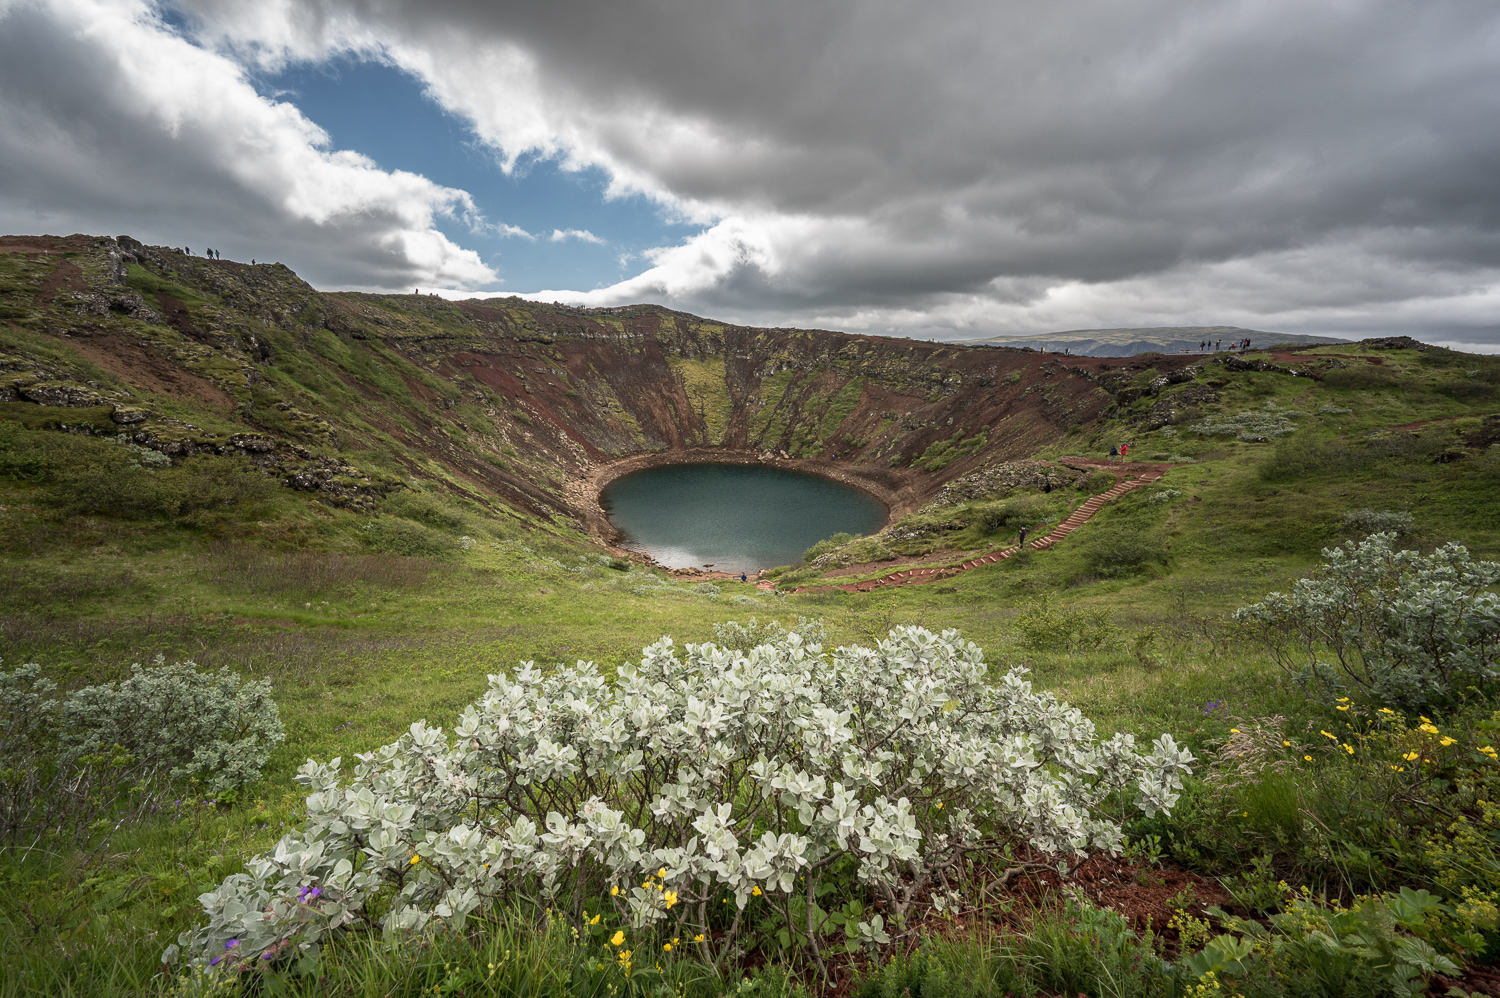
(366, 620)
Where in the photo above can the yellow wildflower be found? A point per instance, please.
(1343, 699)
(614, 891)
(662, 873)
(1326, 734)
(415, 860)
(1286, 743)
(1429, 728)
(1234, 731)
(1308, 758)
(1412, 756)
(1446, 741)
(1343, 706)
(698, 938)
(667, 947)
(1386, 710)
(618, 938)
(1424, 720)
(755, 891)
(595, 919)
(1349, 749)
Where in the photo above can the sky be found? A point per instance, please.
(945, 169)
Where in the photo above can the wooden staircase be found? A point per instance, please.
(1080, 516)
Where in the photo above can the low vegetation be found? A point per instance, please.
(422, 751)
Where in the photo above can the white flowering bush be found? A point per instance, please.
(735, 636)
(1390, 627)
(1379, 521)
(1268, 422)
(208, 725)
(84, 764)
(687, 786)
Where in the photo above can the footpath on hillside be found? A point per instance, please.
(1136, 474)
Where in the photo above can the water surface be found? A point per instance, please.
(735, 517)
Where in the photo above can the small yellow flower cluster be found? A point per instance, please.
(650, 883)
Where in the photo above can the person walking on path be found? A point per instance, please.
(1114, 452)
(1124, 449)
(1021, 540)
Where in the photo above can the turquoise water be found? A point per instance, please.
(735, 517)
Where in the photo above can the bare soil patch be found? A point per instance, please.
(138, 366)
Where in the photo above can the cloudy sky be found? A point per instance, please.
(934, 168)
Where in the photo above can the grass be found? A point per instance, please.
(366, 621)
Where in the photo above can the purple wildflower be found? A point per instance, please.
(231, 944)
(215, 961)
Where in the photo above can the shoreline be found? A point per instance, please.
(895, 489)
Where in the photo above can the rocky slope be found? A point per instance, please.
(518, 404)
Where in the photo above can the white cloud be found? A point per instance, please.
(951, 168)
(108, 116)
(581, 235)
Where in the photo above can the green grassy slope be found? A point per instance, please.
(428, 545)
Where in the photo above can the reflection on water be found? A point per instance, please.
(738, 518)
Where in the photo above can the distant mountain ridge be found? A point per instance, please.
(1127, 342)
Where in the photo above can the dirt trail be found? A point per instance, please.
(1140, 474)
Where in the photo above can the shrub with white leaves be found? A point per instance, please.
(1389, 627)
(209, 725)
(687, 786)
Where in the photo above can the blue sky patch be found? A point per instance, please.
(383, 113)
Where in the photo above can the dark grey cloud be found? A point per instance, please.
(965, 167)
